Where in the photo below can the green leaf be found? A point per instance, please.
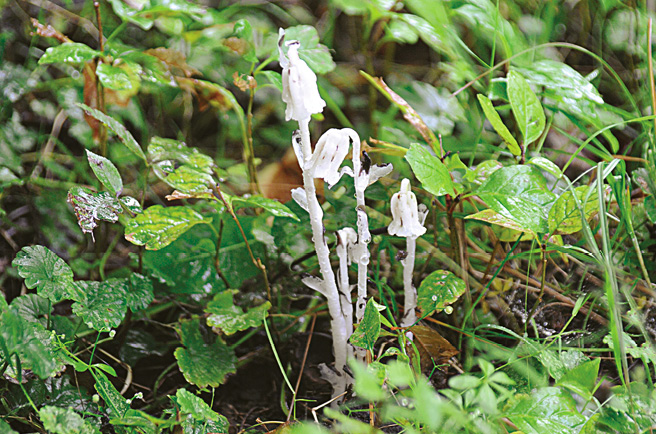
(181, 167)
(582, 379)
(650, 208)
(70, 52)
(195, 426)
(227, 317)
(113, 77)
(273, 77)
(103, 304)
(45, 271)
(493, 217)
(272, 206)
(244, 31)
(5, 428)
(29, 341)
(117, 128)
(190, 181)
(33, 308)
(526, 107)
(195, 406)
(519, 193)
(158, 227)
(437, 290)
(316, 55)
(106, 172)
(565, 216)
(366, 334)
(139, 292)
(498, 125)
(131, 204)
(428, 169)
(546, 410)
(90, 207)
(546, 165)
(203, 363)
(115, 403)
(64, 421)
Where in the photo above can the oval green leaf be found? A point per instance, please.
(498, 125)
(526, 107)
(158, 226)
(438, 290)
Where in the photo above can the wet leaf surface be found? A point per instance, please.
(90, 207)
(432, 173)
(366, 333)
(72, 52)
(106, 172)
(157, 227)
(103, 305)
(438, 290)
(229, 319)
(45, 271)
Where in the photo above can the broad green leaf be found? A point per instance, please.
(526, 107)
(195, 426)
(228, 318)
(518, 193)
(195, 406)
(113, 77)
(630, 405)
(27, 340)
(369, 380)
(493, 217)
(33, 308)
(316, 55)
(103, 305)
(64, 421)
(158, 227)
(438, 290)
(5, 428)
(479, 174)
(273, 77)
(546, 165)
(272, 206)
(139, 292)
(127, 13)
(131, 204)
(366, 334)
(400, 31)
(70, 52)
(188, 264)
(244, 31)
(181, 167)
(428, 169)
(498, 125)
(582, 379)
(565, 216)
(203, 364)
(45, 271)
(90, 207)
(115, 403)
(546, 410)
(117, 128)
(191, 181)
(650, 208)
(106, 172)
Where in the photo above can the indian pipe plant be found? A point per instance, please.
(465, 218)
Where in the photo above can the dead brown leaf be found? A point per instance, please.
(90, 94)
(238, 45)
(207, 93)
(433, 348)
(174, 60)
(47, 31)
(244, 83)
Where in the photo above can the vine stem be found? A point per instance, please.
(329, 285)
(256, 261)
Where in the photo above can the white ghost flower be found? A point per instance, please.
(299, 83)
(328, 155)
(405, 216)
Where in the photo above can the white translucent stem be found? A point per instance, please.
(337, 322)
(363, 238)
(345, 292)
(410, 294)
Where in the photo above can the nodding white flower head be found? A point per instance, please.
(405, 215)
(299, 83)
(328, 155)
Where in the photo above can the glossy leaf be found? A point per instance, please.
(117, 128)
(366, 334)
(106, 173)
(65, 421)
(493, 217)
(131, 204)
(228, 318)
(273, 77)
(90, 207)
(113, 77)
(316, 55)
(546, 410)
(181, 167)
(103, 305)
(33, 308)
(438, 290)
(158, 227)
(498, 125)
(428, 169)
(565, 216)
(582, 379)
(546, 165)
(115, 403)
(519, 193)
(139, 292)
(203, 364)
(71, 52)
(29, 342)
(195, 406)
(526, 107)
(45, 271)
(272, 206)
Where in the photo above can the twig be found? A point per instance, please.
(331, 400)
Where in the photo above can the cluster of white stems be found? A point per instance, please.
(301, 94)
